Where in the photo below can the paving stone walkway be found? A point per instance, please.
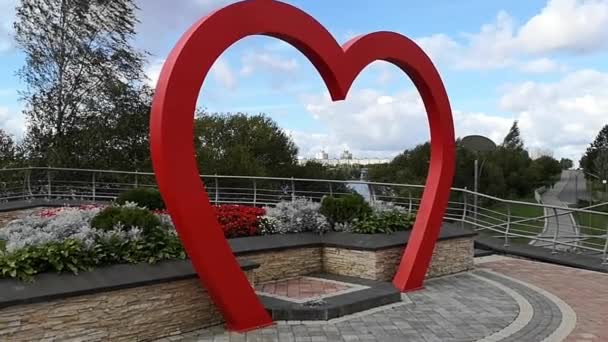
(586, 292)
(503, 299)
(465, 307)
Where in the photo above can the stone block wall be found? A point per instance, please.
(285, 263)
(449, 256)
(135, 314)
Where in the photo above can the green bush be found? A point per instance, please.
(144, 197)
(72, 256)
(128, 217)
(345, 209)
(384, 222)
(66, 256)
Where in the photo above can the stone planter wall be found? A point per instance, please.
(449, 256)
(139, 313)
(286, 263)
(145, 302)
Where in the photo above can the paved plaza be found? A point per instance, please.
(503, 299)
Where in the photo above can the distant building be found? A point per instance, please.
(346, 158)
(346, 155)
(322, 155)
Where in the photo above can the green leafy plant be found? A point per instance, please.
(66, 256)
(158, 245)
(127, 218)
(385, 222)
(345, 209)
(143, 197)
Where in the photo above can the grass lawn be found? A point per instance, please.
(593, 224)
(518, 212)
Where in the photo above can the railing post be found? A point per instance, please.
(136, 179)
(372, 194)
(605, 262)
(508, 225)
(216, 190)
(29, 181)
(464, 210)
(94, 187)
(293, 190)
(255, 192)
(554, 249)
(331, 190)
(48, 180)
(409, 197)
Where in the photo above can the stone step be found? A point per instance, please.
(324, 296)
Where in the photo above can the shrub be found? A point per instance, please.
(69, 255)
(384, 222)
(345, 209)
(268, 225)
(126, 218)
(64, 241)
(64, 224)
(299, 215)
(143, 197)
(239, 220)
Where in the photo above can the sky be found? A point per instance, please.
(541, 62)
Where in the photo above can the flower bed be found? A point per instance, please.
(77, 239)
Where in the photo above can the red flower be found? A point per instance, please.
(239, 220)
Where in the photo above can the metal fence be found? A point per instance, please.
(562, 229)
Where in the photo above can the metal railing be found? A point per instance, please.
(562, 229)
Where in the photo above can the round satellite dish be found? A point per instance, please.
(478, 143)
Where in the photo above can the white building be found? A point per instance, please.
(346, 158)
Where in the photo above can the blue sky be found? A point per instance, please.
(501, 60)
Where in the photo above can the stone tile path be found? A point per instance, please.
(503, 299)
(304, 288)
(458, 308)
(585, 291)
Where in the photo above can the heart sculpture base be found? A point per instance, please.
(174, 159)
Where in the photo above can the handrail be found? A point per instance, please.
(28, 183)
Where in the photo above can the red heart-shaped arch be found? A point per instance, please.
(174, 159)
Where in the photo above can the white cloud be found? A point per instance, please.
(440, 48)
(160, 19)
(578, 26)
(541, 66)
(153, 70)
(565, 115)
(12, 122)
(567, 26)
(220, 71)
(7, 16)
(373, 124)
(255, 61)
(562, 116)
(280, 71)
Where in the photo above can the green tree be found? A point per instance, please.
(243, 145)
(79, 64)
(513, 140)
(7, 150)
(588, 161)
(600, 164)
(566, 163)
(545, 170)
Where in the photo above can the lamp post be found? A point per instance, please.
(477, 144)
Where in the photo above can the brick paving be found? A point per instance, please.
(451, 309)
(585, 291)
(302, 288)
(561, 304)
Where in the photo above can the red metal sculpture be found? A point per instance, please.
(173, 150)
